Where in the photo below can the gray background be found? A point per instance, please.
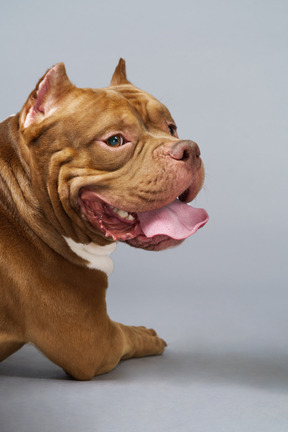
(220, 299)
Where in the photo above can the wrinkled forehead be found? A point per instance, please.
(150, 109)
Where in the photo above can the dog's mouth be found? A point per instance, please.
(154, 230)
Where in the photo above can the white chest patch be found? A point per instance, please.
(98, 257)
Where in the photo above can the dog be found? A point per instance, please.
(80, 170)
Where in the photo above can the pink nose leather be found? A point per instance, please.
(186, 151)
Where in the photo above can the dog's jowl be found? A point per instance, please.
(80, 170)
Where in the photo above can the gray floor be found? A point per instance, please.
(225, 368)
(183, 390)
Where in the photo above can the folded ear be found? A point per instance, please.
(44, 99)
(119, 77)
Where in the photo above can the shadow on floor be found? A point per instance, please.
(261, 370)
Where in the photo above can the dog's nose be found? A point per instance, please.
(186, 151)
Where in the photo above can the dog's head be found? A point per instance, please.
(108, 164)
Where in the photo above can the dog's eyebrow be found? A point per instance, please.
(125, 124)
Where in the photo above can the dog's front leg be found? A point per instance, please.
(123, 342)
(95, 346)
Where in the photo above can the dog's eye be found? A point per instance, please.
(172, 129)
(115, 141)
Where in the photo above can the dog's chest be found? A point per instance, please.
(98, 257)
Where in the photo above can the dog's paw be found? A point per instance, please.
(145, 342)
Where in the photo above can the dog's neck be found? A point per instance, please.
(98, 257)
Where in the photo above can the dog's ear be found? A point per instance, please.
(43, 100)
(119, 77)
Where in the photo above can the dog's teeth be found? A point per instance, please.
(122, 213)
(115, 210)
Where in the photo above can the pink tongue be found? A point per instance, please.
(176, 220)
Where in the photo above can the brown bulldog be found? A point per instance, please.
(81, 169)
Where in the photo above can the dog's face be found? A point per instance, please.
(117, 168)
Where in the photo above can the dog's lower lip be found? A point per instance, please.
(112, 222)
